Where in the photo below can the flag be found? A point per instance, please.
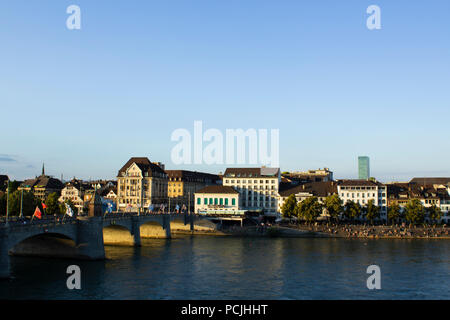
(44, 206)
(109, 207)
(69, 210)
(37, 213)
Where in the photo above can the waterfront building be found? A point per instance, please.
(42, 186)
(183, 184)
(311, 175)
(217, 200)
(73, 192)
(257, 188)
(361, 191)
(321, 190)
(141, 183)
(434, 193)
(363, 168)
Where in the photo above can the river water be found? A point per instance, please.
(202, 267)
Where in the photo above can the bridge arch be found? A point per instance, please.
(117, 234)
(152, 229)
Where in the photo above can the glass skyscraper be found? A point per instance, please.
(363, 168)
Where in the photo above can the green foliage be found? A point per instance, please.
(63, 209)
(414, 212)
(434, 213)
(53, 206)
(394, 212)
(2, 204)
(288, 207)
(352, 210)
(333, 204)
(372, 211)
(29, 203)
(309, 209)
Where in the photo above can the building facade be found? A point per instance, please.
(257, 188)
(363, 168)
(141, 183)
(214, 200)
(312, 175)
(321, 190)
(42, 186)
(183, 184)
(362, 191)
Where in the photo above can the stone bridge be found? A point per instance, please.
(85, 232)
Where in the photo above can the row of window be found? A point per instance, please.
(216, 201)
(250, 181)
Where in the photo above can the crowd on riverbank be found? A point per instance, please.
(379, 231)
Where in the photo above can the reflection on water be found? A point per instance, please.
(243, 268)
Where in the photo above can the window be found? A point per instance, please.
(216, 201)
(233, 201)
(199, 201)
(226, 201)
(221, 201)
(210, 200)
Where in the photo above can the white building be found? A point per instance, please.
(361, 191)
(257, 188)
(216, 200)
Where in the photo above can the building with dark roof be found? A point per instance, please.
(257, 187)
(321, 190)
(183, 184)
(141, 183)
(42, 186)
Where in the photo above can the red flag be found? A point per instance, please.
(37, 213)
(44, 206)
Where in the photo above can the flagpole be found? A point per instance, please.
(7, 203)
(21, 204)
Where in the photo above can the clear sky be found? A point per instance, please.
(85, 101)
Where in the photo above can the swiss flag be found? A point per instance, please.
(37, 213)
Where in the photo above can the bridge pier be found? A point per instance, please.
(136, 231)
(90, 238)
(166, 226)
(4, 254)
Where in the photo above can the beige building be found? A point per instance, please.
(74, 194)
(217, 200)
(184, 184)
(141, 183)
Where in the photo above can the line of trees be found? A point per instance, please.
(310, 209)
(30, 202)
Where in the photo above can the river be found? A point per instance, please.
(205, 267)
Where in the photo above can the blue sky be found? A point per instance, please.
(85, 101)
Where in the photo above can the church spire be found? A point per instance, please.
(43, 169)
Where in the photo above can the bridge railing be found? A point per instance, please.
(45, 221)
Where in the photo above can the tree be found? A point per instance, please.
(28, 201)
(52, 203)
(352, 210)
(288, 207)
(434, 213)
(309, 209)
(2, 203)
(372, 211)
(63, 209)
(334, 207)
(394, 212)
(414, 211)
